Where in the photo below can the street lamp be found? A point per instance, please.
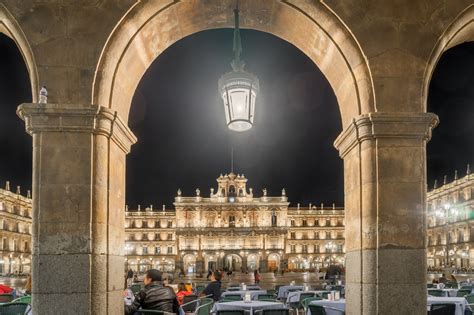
(444, 213)
(238, 88)
(330, 247)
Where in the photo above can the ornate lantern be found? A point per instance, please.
(238, 88)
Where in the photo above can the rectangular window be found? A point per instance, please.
(339, 248)
(170, 250)
(316, 235)
(15, 245)
(157, 250)
(26, 248)
(170, 236)
(292, 235)
(292, 248)
(328, 235)
(316, 222)
(316, 248)
(231, 221)
(145, 237)
(145, 250)
(4, 244)
(305, 223)
(305, 235)
(157, 224)
(292, 222)
(305, 248)
(328, 222)
(170, 223)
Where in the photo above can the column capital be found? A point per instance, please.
(76, 118)
(385, 125)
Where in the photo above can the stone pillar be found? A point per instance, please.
(78, 201)
(385, 192)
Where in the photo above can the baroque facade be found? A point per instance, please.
(450, 220)
(234, 230)
(15, 231)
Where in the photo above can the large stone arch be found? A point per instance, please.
(150, 27)
(10, 27)
(460, 30)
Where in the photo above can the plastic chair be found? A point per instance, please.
(316, 309)
(306, 302)
(232, 297)
(451, 285)
(23, 299)
(436, 293)
(6, 298)
(298, 305)
(463, 292)
(261, 297)
(14, 308)
(442, 309)
(205, 307)
(135, 288)
(282, 311)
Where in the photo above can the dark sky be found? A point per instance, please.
(184, 142)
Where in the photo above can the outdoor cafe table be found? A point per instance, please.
(253, 293)
(295, 295)
(460, 302)
(447, 292)
(339, 306)
(283, 291)
(249, 307)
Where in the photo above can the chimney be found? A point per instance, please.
(7, 185)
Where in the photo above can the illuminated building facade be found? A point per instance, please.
(450, 220)
(234, 230)
(15, 231)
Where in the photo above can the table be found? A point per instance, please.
(338, 306)
(250, 307)
(253, 293)
(460, 302)
(295, 296)
(447, 292)
(283, 291)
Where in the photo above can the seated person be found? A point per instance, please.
(154, 296)
(182, 292)
(214, 287)
(5, 289)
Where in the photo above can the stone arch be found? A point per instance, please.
(150, 27)
(460, 30)
(10, 27)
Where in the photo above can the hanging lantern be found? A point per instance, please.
(238, 88)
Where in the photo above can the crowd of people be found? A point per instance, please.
(440, 269)
(156, 295)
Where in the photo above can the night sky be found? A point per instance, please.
(184, 143)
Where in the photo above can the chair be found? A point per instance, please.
(231, 312)
(14, 308)
(451, 285)
(272, 292)
(324, 294)
(6, 298)
(190, 303)
(306, 302)
(436, 293)
(232, 297)
(298, 305)
(205, 307)
(135, 288)
(253, 289)
(282, 311)
(463, 292)
(430, 285)
(316, 309)
(200, 288)
(442, 309)
(23, 299)
(233, 289)
(261, 297)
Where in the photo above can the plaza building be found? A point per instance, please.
(15, 231)
(234, 230)
(450, 220)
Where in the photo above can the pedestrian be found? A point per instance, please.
(256, 276)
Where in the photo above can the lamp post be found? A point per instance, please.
(444, 213)
(330, 247)
(238, 88)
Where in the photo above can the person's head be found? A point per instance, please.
(443, 275)
(152, 275)
(181, 287)
(216, 276)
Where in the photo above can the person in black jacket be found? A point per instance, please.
(154, 296)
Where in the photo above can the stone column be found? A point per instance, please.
(78, 201)
(385, 192)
